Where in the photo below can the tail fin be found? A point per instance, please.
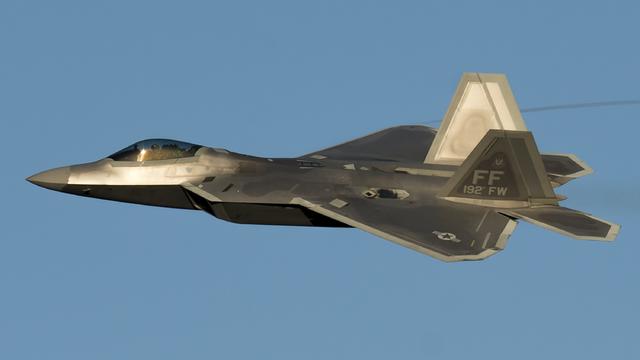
(505, 170)
(481, 102)
(500, 165)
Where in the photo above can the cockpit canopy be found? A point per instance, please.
(156, 149)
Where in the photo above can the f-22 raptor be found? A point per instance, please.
(455, 193)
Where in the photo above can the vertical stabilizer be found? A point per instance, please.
(482, 102)
(505, 170)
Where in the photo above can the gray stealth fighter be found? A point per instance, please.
(454, 193)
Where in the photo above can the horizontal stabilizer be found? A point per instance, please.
(562, 168)
(573, 223)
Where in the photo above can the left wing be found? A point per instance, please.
(408, 143)
(449, 232)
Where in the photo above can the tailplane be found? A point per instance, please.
(505, 171)
(499, 163)
(569, 222)
(562, 168)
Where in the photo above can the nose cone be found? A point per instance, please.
(54, 179)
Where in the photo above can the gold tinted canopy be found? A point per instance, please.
(156, 149)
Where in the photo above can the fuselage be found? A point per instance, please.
(263, 197)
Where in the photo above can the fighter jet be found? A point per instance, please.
(454, 193)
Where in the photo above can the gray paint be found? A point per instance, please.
(309, 191)
(451, 209)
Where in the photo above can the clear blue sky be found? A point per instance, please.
(87, 279)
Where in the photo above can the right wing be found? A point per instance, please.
(448, 232)
(441, 229)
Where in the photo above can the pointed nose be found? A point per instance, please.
(54, 179)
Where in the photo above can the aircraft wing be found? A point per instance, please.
(401, 143)
(446, 232)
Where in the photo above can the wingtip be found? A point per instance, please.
(613, 232)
